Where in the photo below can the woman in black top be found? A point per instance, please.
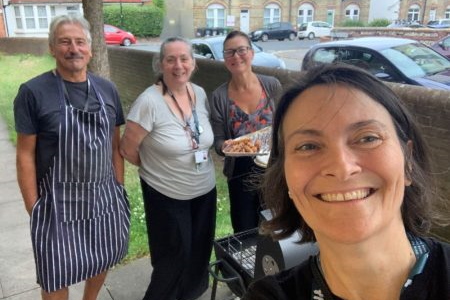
(349, 169)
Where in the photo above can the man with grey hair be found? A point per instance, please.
(69, 168)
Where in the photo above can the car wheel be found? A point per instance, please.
(264, 37)
(126, 42)
(311, 36)
(292, 36)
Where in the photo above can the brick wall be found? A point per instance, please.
(424, 35)
(35, 46)
(2, 23)
(132, 72)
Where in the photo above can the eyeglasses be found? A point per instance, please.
(192, 136)
(241, 51)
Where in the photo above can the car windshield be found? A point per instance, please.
(416, 60)
(218, 48)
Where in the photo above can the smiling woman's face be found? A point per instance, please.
(344, 165)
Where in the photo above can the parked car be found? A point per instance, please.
(313, 30)
(390, 59)
(211, 31)
(212, 48)
(443, 46)
(441, 23)
(274, 31)
(405, 24)
(117, 36)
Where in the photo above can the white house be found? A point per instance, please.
(31, 18)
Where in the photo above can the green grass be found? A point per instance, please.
(16, 69)
(13, 71)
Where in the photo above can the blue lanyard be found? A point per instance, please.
(196, 132)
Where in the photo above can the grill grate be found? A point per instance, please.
(246, 258)
(241, 248)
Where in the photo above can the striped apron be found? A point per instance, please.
(80, 223)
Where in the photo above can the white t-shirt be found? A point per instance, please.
(167, 158)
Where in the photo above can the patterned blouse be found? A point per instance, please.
(243, 123)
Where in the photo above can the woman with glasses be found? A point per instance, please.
(240, 106)
(168, 135)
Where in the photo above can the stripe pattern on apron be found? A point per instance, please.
(80, 224)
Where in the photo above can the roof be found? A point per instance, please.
(73, 1)
(217, 38)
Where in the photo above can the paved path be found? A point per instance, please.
(17, 271)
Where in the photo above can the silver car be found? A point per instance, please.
(390, 59)
(212, 48)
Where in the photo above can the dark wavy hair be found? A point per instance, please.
(235, 33)
(417, 209)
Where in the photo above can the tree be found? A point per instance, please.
(93, 12)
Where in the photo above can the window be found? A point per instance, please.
(19, 24)
(29, 17)
(33, 17)
(215, 16)
(352, 12)
(272, 14)
(305, 13)
(447, 13)
(413, 13)
(73, 10)
(42, 17)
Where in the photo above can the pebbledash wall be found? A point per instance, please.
(132, 71)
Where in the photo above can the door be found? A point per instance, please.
(330, 17)
(244, 21)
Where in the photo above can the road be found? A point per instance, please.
(291, 52)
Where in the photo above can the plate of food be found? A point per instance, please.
(255, 143)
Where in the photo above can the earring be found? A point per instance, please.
(289, 194)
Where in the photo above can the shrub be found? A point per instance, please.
(379, 23)
(352, 23)
(142, 21)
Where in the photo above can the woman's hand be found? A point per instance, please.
(130, 142)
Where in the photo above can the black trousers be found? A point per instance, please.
(245, 195)
(181, 235)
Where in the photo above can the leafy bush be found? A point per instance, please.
(158, 3)
(379, 23)
(352, 23)
(142, 21)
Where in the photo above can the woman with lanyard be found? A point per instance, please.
(349, 169)
(168, 136)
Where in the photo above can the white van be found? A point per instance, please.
(313, 29)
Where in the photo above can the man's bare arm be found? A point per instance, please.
(26, 169)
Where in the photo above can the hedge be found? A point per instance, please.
(142, 21)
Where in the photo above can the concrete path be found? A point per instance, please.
(17, 271)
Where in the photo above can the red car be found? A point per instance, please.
(117, 36)
(443, 46)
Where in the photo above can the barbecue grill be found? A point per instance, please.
(246, 256)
